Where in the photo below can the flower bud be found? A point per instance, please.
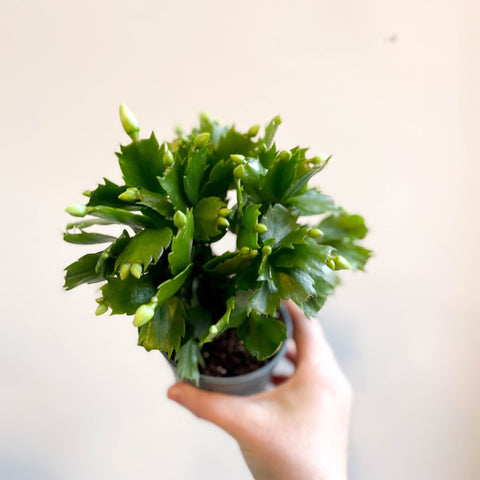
(223, 222)
(101, 309)
(314, 232)
(202, 140)
(124, 271)
(87, 193)
(285, 155)
(267, 250)
(100, 300)
(277, 120)
(239, 171)
(253, 131)
(224, 212)
(136, 270)
(143, 315)
(213, 329)
(179, 219)
(77, 210)
(315, 160)
(341, 263)
(260, 228)
(168, 158)
(129, 122)
(245, 251)
(130, 195)
(331, 263)
(253, 253)
(237, 158)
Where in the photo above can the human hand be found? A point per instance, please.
(299, 430)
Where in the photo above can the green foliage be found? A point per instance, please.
(179, 198)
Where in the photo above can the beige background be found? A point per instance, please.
(390, 88)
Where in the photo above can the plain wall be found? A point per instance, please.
(389, 88)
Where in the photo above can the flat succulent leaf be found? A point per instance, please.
(267, 156)
(170, 287)
(266, 299)
(270, 131)
(221, 325)
(279, 222)
(228, 263)
(82, 271)
(172, 183)
(295, 237)
(87, 238)
(343, 226)
(219, 179)
(156, 201)
(356, 255)
(166, 329)
(125, 296)
(194, 172)
(311, 202)
(254, 179)
(188, 358)
(145, 248)
(233, 142)
(181, 252)
(117, 215)
(301, 182)
(107, 195)
(247, 235)
(294, 283)
(212, 127)
(106, 263)
(262, 335)
(279, 179)
(141, 163)
(205, 218)
(87, 223)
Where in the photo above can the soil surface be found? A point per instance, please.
(226, 356)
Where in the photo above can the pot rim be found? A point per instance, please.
(260, 371)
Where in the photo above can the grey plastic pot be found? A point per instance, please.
(250, 383)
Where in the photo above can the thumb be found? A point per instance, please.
(223, 410)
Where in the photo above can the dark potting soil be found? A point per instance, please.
(226, 356)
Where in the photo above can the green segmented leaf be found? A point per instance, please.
(106, 263)
(125, 296)
(219, 179)
(279, 222)
(247, 235)
(294, 283)
(116, 215)
(262, 335)
(223, 324)
(165, 331)
(231, 143)
(172, 183)
(279, 179)
(194, 172)
(156, 201)
(107, 195)
(87, 238)
(266, 299)
(270, 131)
(205, 216)
(141, 163)
(228, 263)
(180, 256)
(170, 287)
(82, 271)
(311, 202)
(145, 248)
(300, 183)
(344, 227)
(188, 358)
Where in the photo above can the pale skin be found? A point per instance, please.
(297, 431)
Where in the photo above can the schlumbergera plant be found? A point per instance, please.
(183, 196)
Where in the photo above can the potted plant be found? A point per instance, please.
(179, 198)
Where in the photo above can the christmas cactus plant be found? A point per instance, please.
(181, 197)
